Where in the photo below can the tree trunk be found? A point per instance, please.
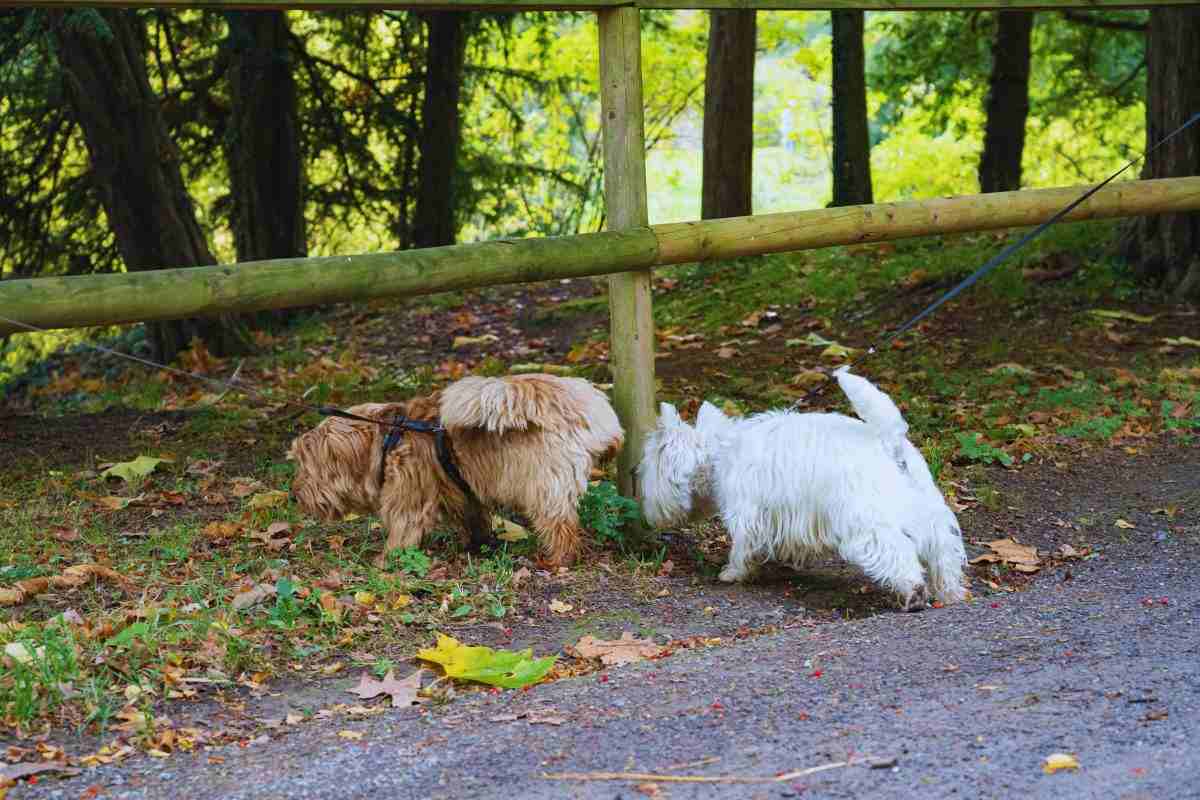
(262, 145)
(1007, 103)
(135, 165)
(1165, 250)
(433, 223)
(851, 137)
(727, 183)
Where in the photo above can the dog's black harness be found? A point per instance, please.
(400, 424)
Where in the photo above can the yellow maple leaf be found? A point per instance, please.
(506, 668)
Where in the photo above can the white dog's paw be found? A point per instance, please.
(732, 574)
(917, 599)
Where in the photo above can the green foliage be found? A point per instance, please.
(411, 560)
(43, 663)
(972, 448)
(609, 516)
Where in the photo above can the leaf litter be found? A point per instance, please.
(403, 693)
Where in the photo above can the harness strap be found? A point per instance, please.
(445, 449)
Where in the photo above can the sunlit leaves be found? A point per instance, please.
(504, 668)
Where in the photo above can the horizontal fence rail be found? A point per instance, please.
(88, 300)
(596, 5)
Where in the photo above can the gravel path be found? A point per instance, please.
(968, 701)
(1098, 658)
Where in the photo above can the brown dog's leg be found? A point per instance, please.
(561, 538)
(406, 527)
(478, 522)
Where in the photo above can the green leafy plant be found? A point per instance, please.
(972, 448)
(410, 560)
(42, 665)
(609, 516)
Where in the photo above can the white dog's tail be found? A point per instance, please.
(874, 408)
(522, 402)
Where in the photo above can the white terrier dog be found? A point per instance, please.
(790, 487)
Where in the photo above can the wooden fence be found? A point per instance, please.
(627, 251)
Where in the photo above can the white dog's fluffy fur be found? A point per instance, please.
(790, 487)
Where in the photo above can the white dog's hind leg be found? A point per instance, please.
(741, 554)
(888, 557)
(945, 558)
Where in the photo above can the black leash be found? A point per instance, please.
(397, 426)
(993, 262)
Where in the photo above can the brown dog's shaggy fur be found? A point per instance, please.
(526, 442)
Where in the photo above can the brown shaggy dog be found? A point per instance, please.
(526, 442)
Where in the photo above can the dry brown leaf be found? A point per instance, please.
(1124, 524)
(70, 578)
(64, 534)
(275, 537)
(726, 352)
(559, 607)
(244, 487)
(612, 652)
(253, 595)
(1021, 557)
(221, 530)
(16, 772)
(403, 693)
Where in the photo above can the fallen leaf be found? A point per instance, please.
(252, 596)
(64, 534)
(726, 352)
(111, 503)
(625, 650)
(1059, 761)
(203, 467)
(244, 487)
(268, 500)
(1124, 524)
(1021, 557)
(808, 378)
(559, 607)
(21, 654)
(467, 341)
(505, 668)
(353, 736)
(15, 772)
(70, 578)
(1128, 316)
(519, 577)
(221, 530)
(129, 471)
(1156, 715)
(1013, 368)
(275, 536)
(403, 693)
(1067, 551)
(509, 530)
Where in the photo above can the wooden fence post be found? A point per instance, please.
(632, 326)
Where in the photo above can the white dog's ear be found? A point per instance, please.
(710, 417)
(667, 415)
